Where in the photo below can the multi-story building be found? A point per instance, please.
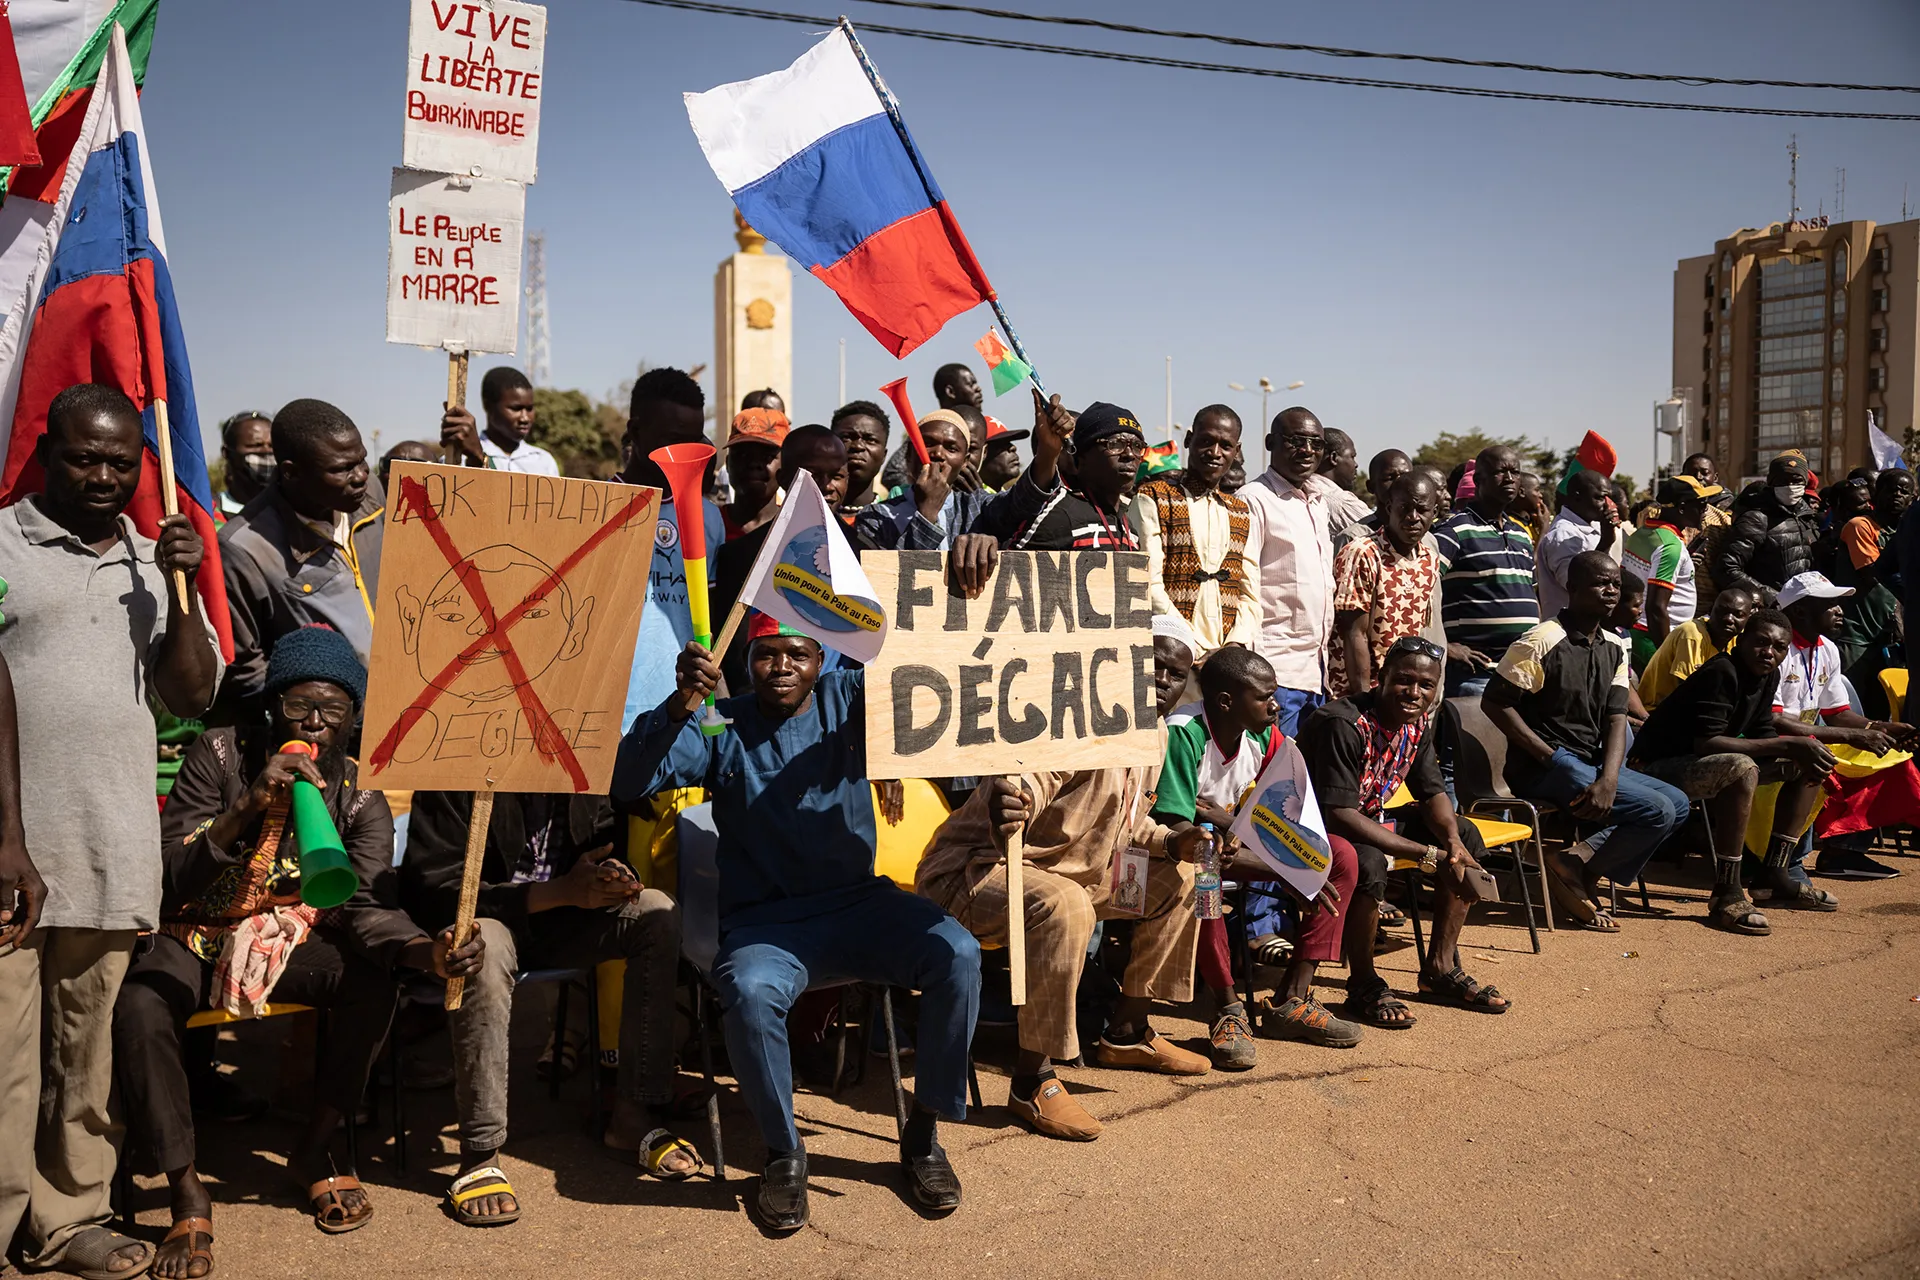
(1788, 336)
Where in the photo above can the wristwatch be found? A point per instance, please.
(1430, 860)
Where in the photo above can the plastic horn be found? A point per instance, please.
(685, 466)
(327, 878)
(896, 391)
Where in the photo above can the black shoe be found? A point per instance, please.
(783, 1192)
(935, 1186)
(1852, 864)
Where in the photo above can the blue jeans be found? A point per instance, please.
(1464, 680)
(887, 936)
(1295, 705)
(1645, 811)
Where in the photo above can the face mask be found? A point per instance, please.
(1789, 493)
(259, 467)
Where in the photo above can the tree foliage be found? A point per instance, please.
(583, 436)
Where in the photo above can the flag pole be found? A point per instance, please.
(169, 500)
(892, 106)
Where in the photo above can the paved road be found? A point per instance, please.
(1706, 1106)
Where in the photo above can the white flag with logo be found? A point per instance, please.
(809, 578)
(1279, 821)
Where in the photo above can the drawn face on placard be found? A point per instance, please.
(441, 628)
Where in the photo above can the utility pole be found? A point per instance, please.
(1793, 176)
(539, 345)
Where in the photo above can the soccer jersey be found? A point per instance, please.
(1657, 555)
(1811, 684)
(1195, 770)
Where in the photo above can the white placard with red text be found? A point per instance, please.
(453, 261)
(474, 83)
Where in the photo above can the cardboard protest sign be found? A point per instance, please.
(809, 577)
(474, 87)
(453, 261)
(1050, 667)
(504, 629)
(1279, 821)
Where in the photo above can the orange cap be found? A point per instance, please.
(758, 426)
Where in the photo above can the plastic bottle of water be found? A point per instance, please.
(1208, 902)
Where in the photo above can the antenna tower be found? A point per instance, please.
(1793, 176)
(539, 342)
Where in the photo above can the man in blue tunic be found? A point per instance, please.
(799, 901)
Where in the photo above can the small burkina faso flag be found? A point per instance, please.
(1157, 461)
(1594, 454)
(1009, 370)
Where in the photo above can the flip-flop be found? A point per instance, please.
(476, 1184)
(193, 1229)
(330, 1212)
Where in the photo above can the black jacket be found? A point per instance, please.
(436, 853)
(1767, 545)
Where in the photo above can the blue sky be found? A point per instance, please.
(1424, 263)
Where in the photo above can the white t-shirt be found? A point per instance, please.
(529, 458)
(1810, 682)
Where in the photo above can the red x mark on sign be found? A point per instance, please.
(547, 737)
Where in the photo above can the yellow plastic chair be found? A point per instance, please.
(1494, 834)
(897, 849)
(1894, 681)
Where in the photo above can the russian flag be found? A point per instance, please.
(815, 162)
(102, 310)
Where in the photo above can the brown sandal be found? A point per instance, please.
(330, 1212)
(194, 1229)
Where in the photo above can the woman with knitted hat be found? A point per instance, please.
(235, 934)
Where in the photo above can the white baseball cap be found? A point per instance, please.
(1818, 585)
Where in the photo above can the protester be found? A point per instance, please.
(1530, 506)
(1439, 479)
(863, 427)
(1203, 553)
(306, 551)
(1773, 533)
(799, 897)
(1359, 750)
(1049, 509)
(753, 467)
(1295, 545)
(667, 408)
(1656, 553)
(554, 894)
(1384, 587)
(1873, 638)
(1875, 790)
(1386, 467)
(235, 934)
(765, 398)
(246, 453)
(405, 451)
(1236, 478)
(506, 397)
(1216, 749)
(1001, 465)
(1076, 825)
(1689, 645)
(1487, 592)
(954, 387)
(933, 513)
(1587, 521)
(1334, 481)
(968, 478)
(93, 634)
(1560, 696)
(1714, 739)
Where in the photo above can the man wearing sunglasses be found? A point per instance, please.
(1296, 564)
(1071, 500)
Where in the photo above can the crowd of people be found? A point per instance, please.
(1702, 652)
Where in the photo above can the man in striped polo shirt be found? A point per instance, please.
(1487, 598)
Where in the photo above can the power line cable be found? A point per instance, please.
(1334, 51)
(1181, 64)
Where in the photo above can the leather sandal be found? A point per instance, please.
(194, 1230)
(330, 1212)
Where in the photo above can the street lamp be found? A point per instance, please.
(1266, 389)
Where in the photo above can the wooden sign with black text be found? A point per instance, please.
(1049, 668)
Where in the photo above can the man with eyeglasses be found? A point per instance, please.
(1296, 564)
(235, 934)
(1487, 592)
(1071, 501)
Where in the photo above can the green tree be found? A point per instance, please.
(1450, 449)
(575, 430)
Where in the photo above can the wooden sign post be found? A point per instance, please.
(1049, 668)
(502, 638)
(169, 497)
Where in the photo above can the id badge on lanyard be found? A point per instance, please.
(1127, 885)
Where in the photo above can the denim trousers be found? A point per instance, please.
(885, 935)
(1645, 812)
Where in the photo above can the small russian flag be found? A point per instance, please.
(817, 163)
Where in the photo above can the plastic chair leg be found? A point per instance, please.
(893, 1060)
(973, 1080)
(396, 1075)
(702, 1030)
(1413, 914)
(1526, 895)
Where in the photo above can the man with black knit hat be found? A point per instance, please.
(1071, 500)
(235, 933)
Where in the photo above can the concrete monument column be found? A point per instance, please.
(753, 326)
